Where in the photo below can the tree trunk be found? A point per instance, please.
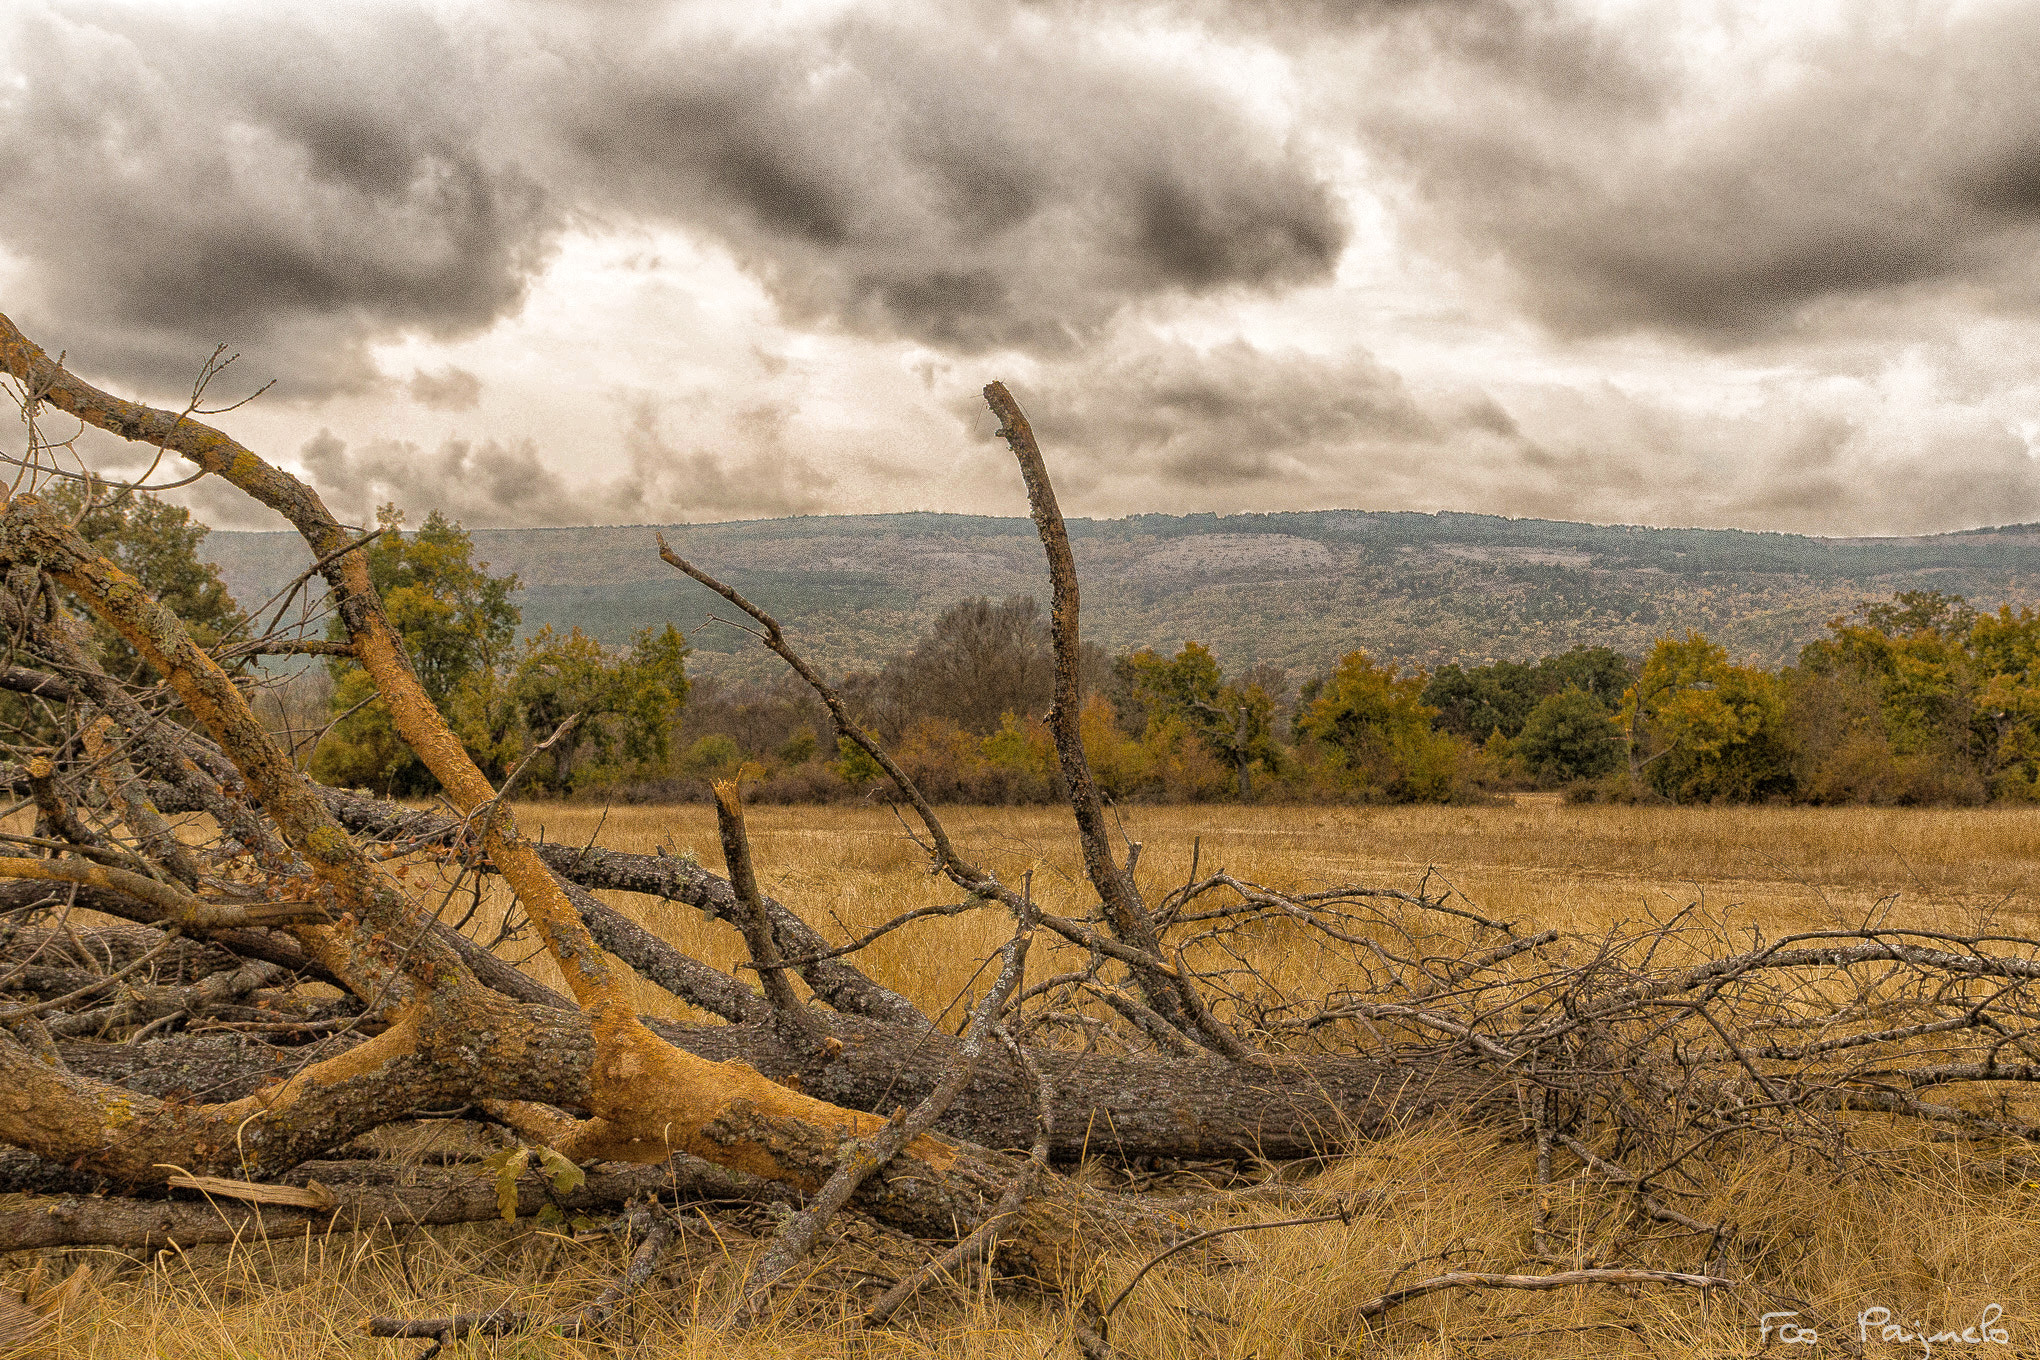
(1304, 1106)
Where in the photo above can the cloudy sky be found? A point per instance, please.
(1760, 264)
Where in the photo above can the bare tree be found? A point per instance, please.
(978, 662)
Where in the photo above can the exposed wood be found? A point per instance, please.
(448, 1037)
(313, 1194)
(1653, 1055)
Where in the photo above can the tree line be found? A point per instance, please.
(1918, 699)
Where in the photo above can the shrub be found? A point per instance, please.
(1378, 736)
(713, 757)
(1569, 736)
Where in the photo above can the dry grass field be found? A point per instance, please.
(1906, 1228)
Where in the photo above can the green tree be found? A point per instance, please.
(654, 673)
(1235, 722)
(457, 623)
(1500, 697)
(2005, 651)
(1492, 698)
(1378, 727)
(1886, 709)
(855, 764)
(627, 702)
(1570, 736)
(454, 617)
(1922, 611)
(1602, 672)
(156, 543)
(1703, 730)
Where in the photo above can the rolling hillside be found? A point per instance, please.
(1296, 589)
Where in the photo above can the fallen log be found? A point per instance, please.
(1116, 1106)
(364, 1196)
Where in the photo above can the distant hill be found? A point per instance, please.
(1295, 589)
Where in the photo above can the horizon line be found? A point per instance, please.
(2025, 526)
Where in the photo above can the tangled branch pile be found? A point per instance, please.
(218, 980)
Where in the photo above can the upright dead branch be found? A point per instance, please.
(1123, 908)
(751, 918)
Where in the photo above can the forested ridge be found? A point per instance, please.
(1296, 590)
(1919, 698)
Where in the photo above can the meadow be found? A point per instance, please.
(1910, 1228)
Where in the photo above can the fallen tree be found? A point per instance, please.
(187, 1044)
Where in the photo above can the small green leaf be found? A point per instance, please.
(513, 1155)
(550, 1216)
(565, 1176)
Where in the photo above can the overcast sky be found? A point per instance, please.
(1762, 264)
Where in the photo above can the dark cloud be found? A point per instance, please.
(1720, 196)
(448, 389)
(1538, 44)
(302, 183)
(296, 186)
(477, 484)
(960, 178)
(1230, 418)
(1750, 222)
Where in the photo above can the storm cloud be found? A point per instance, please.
(304, 182)
(296, 190)
(545, 262)
(473, 483)
(1632, 183)
(961, 178)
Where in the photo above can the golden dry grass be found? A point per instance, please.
(1907, 1229)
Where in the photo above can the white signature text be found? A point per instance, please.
(1876, 1324)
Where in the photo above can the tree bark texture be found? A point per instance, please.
(366, 1195)
(1121, 1107)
